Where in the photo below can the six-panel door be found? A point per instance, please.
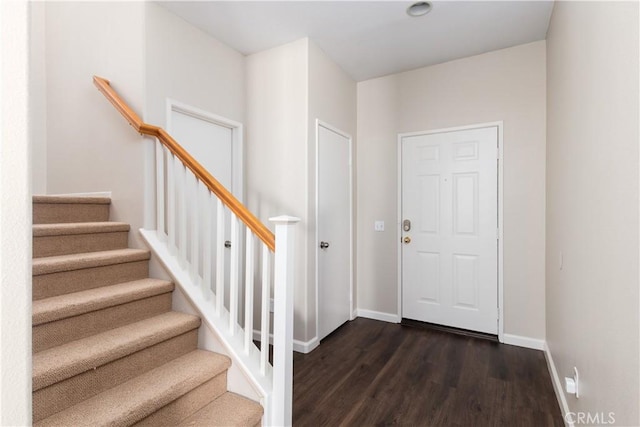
(450, 196)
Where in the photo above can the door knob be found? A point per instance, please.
(227, 244)
(324, 245)
(407, 239)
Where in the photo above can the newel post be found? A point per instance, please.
(282, 401)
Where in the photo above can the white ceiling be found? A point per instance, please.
(372, 38)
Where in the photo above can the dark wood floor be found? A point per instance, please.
(375, 373)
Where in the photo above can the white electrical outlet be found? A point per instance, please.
(571, 385)
(378, 226)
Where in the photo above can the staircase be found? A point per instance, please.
(107, 348)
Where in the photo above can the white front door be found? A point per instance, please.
(450, 228)
(334, 230)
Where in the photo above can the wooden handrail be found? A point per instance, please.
(250, 220)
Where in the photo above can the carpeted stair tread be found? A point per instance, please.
(80, 261)
(229, 410)
(77, 303)
(69, 209)
(65, 229)
(92, 200)
(141, 396)
(64, 361)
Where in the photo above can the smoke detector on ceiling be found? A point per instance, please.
(418, 9)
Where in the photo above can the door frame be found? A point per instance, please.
(320, 123)
(237, 148)
(500, 158)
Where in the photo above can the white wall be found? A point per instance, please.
(187, 65)
(507, 85)
(378, 127)
(288, 88)
(37, 97)
(332, 99)
(592, 203)
(90, 147)
(276, 150)
(15, 217)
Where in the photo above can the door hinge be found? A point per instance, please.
(498, 153)
(497, 234)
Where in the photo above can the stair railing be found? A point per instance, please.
(191, 211)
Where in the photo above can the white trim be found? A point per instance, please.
(237, 130)
(498, 124)
(399, 227)
(378, 315)
(557, 387)
(305, 346)
(500, 232)
(93, 194)
(298, 346)
(352, 310)
(520, 341)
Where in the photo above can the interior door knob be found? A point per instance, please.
(227, 244)
(324, 245)
(407, 240)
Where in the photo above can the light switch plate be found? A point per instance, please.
(379, 226)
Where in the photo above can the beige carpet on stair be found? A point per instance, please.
(108, 349)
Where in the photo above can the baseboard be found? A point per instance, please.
(557, 387)
(377, 315)
(305, 346)
(298, 346)
(533, 343)
(93, 194)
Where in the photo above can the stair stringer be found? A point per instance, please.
(214, 335)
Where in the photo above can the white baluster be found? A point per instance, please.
(283, 320)
(171, 203)
(265, 309)
(248, 293)
(182, 215)
(233, 274)
(220, 257)
(195, 232)
(206, 253)
(159, 190)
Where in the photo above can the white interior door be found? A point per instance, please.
(212, 145)
(450, 249)
(334, 230)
